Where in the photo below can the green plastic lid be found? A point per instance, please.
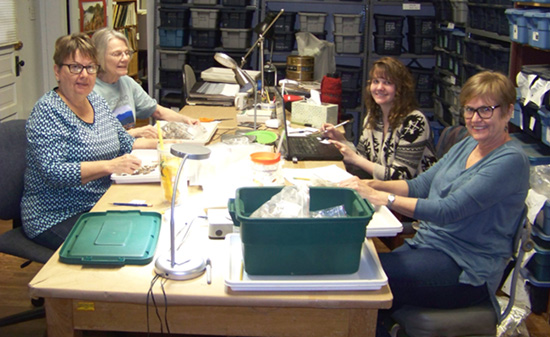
(263, 136)
(112, 238)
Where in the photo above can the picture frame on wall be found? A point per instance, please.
(93, 15)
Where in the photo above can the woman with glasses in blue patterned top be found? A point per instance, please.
(74, 145)
(124, 95)
(468, 203)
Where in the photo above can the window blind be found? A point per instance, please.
(8, 30)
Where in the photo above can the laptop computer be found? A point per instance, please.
(305, 148)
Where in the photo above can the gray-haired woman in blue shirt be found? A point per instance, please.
(468, 205)
(74, 145)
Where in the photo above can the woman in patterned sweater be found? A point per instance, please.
(74, 145)
(396, 142)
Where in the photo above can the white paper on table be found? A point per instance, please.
(330, 173)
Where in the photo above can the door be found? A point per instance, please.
(9, 104)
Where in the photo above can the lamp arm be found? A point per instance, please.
(172, 223)
(261, 37)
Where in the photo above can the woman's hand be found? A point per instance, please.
(350, 156)
(125, 164)
(191, 121)
(147, 131)
(92, 170)
(377, 198)
(329, 131)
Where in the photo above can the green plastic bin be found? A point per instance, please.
(301, 246)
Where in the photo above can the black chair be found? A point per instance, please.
(13, 144)
(479, 320)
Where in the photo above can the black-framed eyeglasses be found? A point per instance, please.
(128, 53)
(76, 68)
(484, 112)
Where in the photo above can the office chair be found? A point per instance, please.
(13, 144)
(180, 99)
(479, 320)
(189, 79)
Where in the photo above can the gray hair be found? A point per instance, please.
(101, 39)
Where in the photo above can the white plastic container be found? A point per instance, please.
(204, 18)
(236, 38)
(266, 167)
(347, 23)
(312, 22)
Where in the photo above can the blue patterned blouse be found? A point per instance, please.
(58, 141)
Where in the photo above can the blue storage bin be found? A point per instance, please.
(538, 153)
(538, 27)
(518, 25)
(517, 117)
(542, 223)
(531, 121)
(539, 237)
(173, 37)
(544, 114)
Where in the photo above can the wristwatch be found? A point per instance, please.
(391, 199)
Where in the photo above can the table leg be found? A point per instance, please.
(59, 318)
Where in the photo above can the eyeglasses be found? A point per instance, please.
(128, 53)
(484, 112)
(76, 68)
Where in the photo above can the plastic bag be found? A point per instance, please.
(323, 52)
(332, 212)
(540, 179)
(514, 324)
(175, 130)
(291, 202)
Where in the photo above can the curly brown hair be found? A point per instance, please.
(405, 101)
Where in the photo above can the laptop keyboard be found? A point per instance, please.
(304, 145)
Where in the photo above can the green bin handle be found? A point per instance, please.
(231, 209)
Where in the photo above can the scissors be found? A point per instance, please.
(207, 120)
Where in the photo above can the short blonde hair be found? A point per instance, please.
(489, 85)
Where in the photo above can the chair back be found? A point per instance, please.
(449, 137)
(13, 146)
(189, 79)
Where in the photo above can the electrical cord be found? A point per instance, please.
(151, 295)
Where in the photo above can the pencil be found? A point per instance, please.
(301, 178)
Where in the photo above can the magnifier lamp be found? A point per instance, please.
(242, 77)
(190, 267)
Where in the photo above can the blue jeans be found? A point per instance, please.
(426, 278)
(54, 237)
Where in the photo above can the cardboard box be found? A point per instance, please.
(313, 114)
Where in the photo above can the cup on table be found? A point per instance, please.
(169, 165)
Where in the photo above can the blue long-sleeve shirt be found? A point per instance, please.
(58, 141)
(471, 214)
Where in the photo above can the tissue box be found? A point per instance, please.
(313, 114)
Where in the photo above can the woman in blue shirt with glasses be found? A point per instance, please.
(468, 204)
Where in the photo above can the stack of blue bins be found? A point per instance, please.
(537, 270)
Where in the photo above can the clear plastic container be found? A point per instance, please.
(169, 165)
(266, 167)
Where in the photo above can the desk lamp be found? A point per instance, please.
(263, 31)
(242, 77)
(167, 266)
